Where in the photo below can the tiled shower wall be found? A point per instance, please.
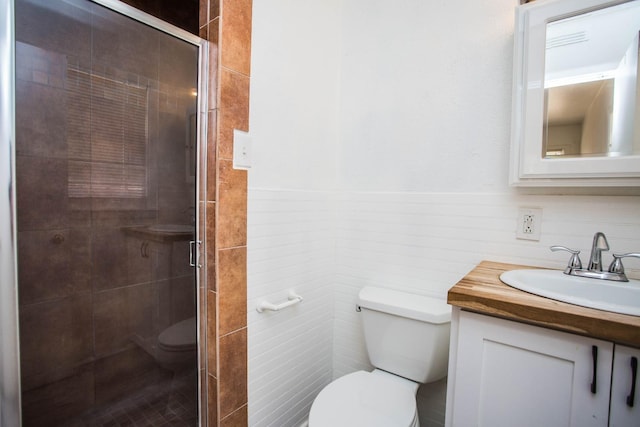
(181, 13)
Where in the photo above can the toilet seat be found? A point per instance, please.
(179, 337)
(366, 399)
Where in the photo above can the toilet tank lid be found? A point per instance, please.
(412, 306)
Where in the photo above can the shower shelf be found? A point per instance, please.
(146, 232)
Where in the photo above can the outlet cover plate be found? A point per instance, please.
(242, 150)
(529, 223)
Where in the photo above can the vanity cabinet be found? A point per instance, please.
(519, 359)
(505, 373)
(511, 374)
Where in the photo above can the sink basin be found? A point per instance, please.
(171, 228)
(617, 297)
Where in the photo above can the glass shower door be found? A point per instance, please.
(106, 118)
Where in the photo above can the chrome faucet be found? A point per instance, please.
(594, 269)
(599, 244)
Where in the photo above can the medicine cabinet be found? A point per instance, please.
(576, 111)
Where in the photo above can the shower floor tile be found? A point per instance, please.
(171, 402)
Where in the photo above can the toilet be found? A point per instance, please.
(407, 339)
(177, 345)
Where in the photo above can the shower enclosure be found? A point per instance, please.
(98, 228)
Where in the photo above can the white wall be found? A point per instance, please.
(425, 108)
(294, 93)
(294, 126)
(425, 95)
(384, 129)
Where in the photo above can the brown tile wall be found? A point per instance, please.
(227, 26)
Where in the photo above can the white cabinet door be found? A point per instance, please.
(511, 374)
(625, 395)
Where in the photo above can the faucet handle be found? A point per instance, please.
(616, 266)
(574, 261)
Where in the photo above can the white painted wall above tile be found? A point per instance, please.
(425, 95)
(294, 94)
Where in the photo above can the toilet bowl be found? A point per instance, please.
(372, 399)
(177, 345)
(407, 339)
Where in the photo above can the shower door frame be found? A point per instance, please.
(9, 351)
(10, 401)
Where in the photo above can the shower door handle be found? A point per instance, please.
(194, 253)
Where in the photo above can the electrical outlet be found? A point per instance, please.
(528, 225)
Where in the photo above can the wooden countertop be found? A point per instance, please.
(482, 291)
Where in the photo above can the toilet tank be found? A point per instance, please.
(406, 334)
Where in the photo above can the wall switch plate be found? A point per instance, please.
(242, 150)
(529, 223)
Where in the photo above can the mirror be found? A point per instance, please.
(576, 94)
(590, 83)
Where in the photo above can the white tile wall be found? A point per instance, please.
(327, 246)
(425, 242)
(291, 246)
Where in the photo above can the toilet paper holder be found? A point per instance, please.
(293, 299)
